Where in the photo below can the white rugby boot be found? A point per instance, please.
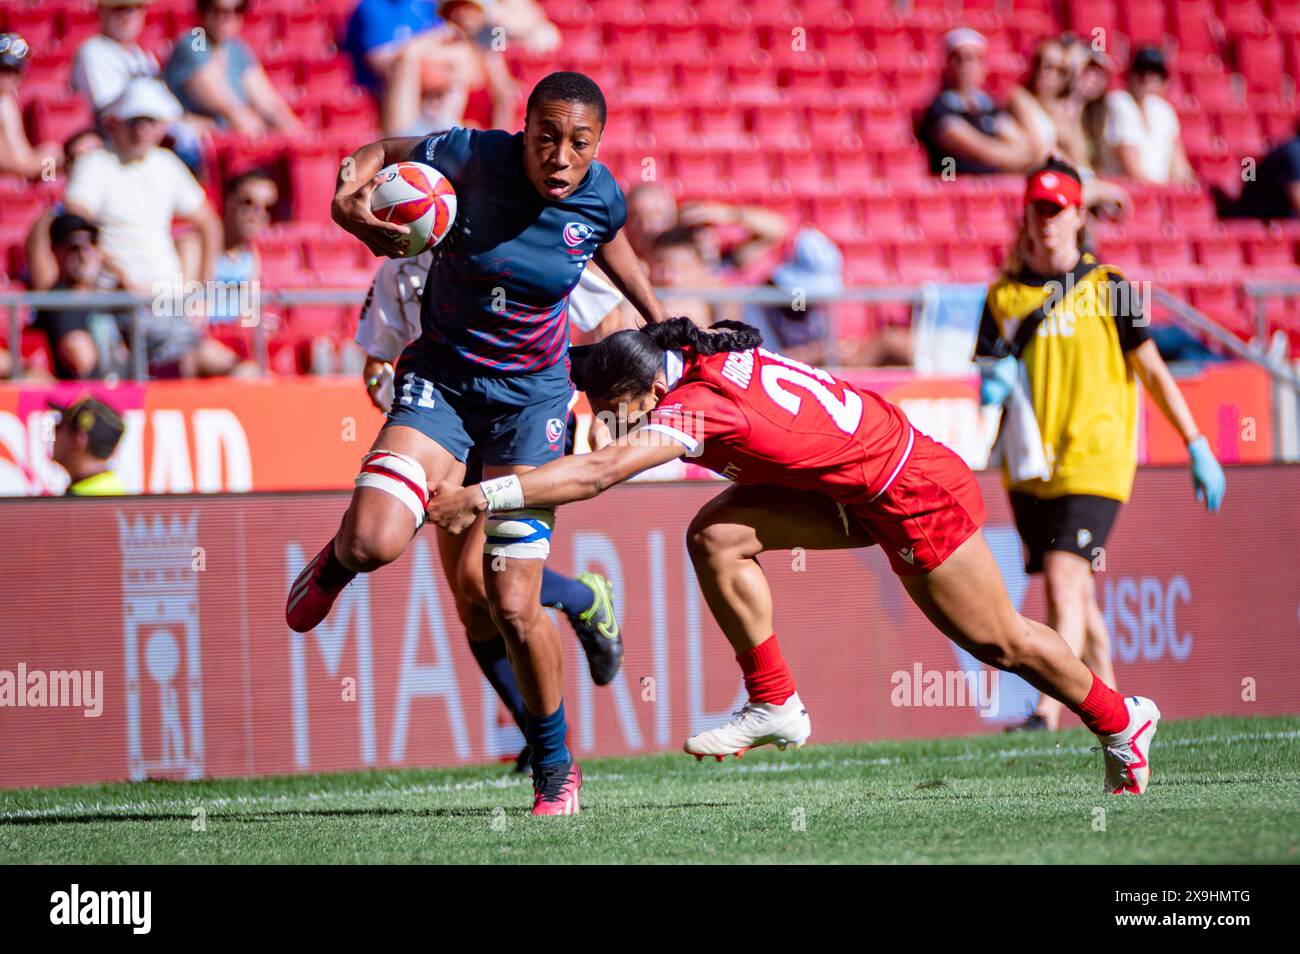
(755, 724)
(1128, 767)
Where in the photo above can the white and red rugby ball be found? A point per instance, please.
(419, 197)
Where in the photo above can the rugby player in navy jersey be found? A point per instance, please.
(489, 372)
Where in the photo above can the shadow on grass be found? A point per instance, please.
(255, 817)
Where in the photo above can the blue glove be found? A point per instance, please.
(997, 380)
(1207, 475)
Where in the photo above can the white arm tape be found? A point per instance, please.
(503, 493)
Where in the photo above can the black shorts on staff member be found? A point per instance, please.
(1074, 523)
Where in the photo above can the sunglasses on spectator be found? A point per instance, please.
(15, 50)
(253, 203)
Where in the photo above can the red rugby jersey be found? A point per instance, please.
(761, 418)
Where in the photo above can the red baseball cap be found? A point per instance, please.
(1049, 185)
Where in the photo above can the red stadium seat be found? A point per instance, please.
(1273, 251)
(1221, 252)
(720, 120)
(1196, 27)
(839, 216)
(1169, 249)
(776, 124)
(1240, 15)
(1143, 21)
(750, 170)
(885, 214)
(1259, 59)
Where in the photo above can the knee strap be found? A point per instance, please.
(398, 475)
(522, 534)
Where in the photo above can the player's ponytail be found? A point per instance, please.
(625, 364)
(677, 333)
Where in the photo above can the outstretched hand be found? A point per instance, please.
(455, 508)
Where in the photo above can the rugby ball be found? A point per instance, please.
(419, 197)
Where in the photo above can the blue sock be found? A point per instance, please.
(491, 658)
(565, 593)
(546, 735)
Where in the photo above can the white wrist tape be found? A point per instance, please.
(503, 493)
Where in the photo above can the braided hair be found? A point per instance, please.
(625, 364)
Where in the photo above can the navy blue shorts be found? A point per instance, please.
(502, 419)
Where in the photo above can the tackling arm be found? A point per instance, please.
(562, 481)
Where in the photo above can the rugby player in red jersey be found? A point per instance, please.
(818, 464)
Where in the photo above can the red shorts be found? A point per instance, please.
(931, 508)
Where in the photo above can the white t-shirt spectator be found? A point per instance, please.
(134, 204)
(103, 67)
(1152, 127)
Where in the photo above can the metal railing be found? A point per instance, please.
(135, 305)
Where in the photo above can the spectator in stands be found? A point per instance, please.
(1273, 193)
(651, 211)
(525, 22)
(675, 261)
(133, 190)
(963, 130)
(84, 439)
(1041, 104)
(84, 342)
(1143, 138)
(811, 272)
(42, 269)
(395, 45)
(17, 156)
(250, 197)
(481, 91)
(107, 61)
(214, 73)
(738, 240)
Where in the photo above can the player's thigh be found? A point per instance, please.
(392, 488)
(746, 520)
(965, 597)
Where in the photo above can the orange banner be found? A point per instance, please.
(310, 433)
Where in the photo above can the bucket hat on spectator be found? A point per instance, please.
(145, 98)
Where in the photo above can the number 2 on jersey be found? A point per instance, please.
(778, 371)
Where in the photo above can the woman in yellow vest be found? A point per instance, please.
(1071, 332)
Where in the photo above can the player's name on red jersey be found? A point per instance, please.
(761, 418)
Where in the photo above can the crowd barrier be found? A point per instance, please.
(168, 611)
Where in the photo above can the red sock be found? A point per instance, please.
(1103, 711)
(767, 677)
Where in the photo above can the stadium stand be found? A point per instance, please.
(801, 106)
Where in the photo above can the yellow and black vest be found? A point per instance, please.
(1084, 393)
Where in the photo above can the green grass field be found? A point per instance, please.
(1223, 790)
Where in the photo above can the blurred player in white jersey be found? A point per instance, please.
(389, 321)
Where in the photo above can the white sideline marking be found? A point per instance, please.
(255, 801)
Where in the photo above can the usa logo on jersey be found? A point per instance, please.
(575, 233)
(554, 430)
